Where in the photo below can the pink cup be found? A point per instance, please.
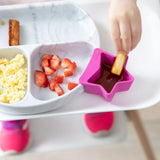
(93, 71)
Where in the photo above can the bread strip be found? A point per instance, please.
(13, 32)
(119, 63)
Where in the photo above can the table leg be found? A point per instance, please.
(138, 125)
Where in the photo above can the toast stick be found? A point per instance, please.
(13, 32)
(119, 63)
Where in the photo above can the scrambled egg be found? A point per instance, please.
(13, 79)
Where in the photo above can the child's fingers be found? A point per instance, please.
(135, 33)
(115, 34)
(125, 30)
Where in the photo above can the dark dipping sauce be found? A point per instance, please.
(108, 79)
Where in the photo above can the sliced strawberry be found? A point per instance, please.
(58, 89)
(48, 71)
(55, 62)
(47, 56)
(44, 63)
(68, 67)
(52, 84)
(59, 78)
(41, 79)
(72, 85)
(72, 66)
(68, 72)
(66, 63)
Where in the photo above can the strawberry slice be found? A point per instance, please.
(66, 63)
(55, 62)
(72, 85)
(59, 78)
(44, 63)
(52, 84)
(41, 79)
(72, 66)
(68, 72)
(48, 71)
(58, 89)
(47, 56)
(68, 67)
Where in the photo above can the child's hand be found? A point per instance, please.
(124, 24)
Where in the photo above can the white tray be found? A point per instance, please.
(143, 64)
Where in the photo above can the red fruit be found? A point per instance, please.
(72, 85)
(52, 84)
(41, 79)
(59, 78)
(58, 89)
(44, 63)
(48, 71)
(55, 62)
(72, 66)
(47, 56)
(68, 72)
(68, 67)
(66, 63)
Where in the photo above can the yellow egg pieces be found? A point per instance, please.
(13, 79)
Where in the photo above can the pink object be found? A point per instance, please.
(14, 135)
(93, 71)
(97, 122)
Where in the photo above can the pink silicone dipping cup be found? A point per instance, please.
(93, 71)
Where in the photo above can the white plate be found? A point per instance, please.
(37, 99)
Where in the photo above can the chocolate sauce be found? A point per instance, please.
(108, 79)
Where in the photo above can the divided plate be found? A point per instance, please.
(45, 23)
(37, 99)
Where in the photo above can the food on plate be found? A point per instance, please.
(72, 85)
(59, 78)
(54, 86)
(55, 62)
(48, 71)
(13, 79)
(58, 89)
(44, 63)
(13, 76)
(68, 67)
(68, 72)
(41, 79)
(13, 32)
(47, 56)
(49, 74)
(108, 79)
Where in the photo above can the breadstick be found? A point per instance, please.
(13, 32)
(119, 63)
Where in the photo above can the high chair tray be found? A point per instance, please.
(143, 62)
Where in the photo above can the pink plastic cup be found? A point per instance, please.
(93, 71)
